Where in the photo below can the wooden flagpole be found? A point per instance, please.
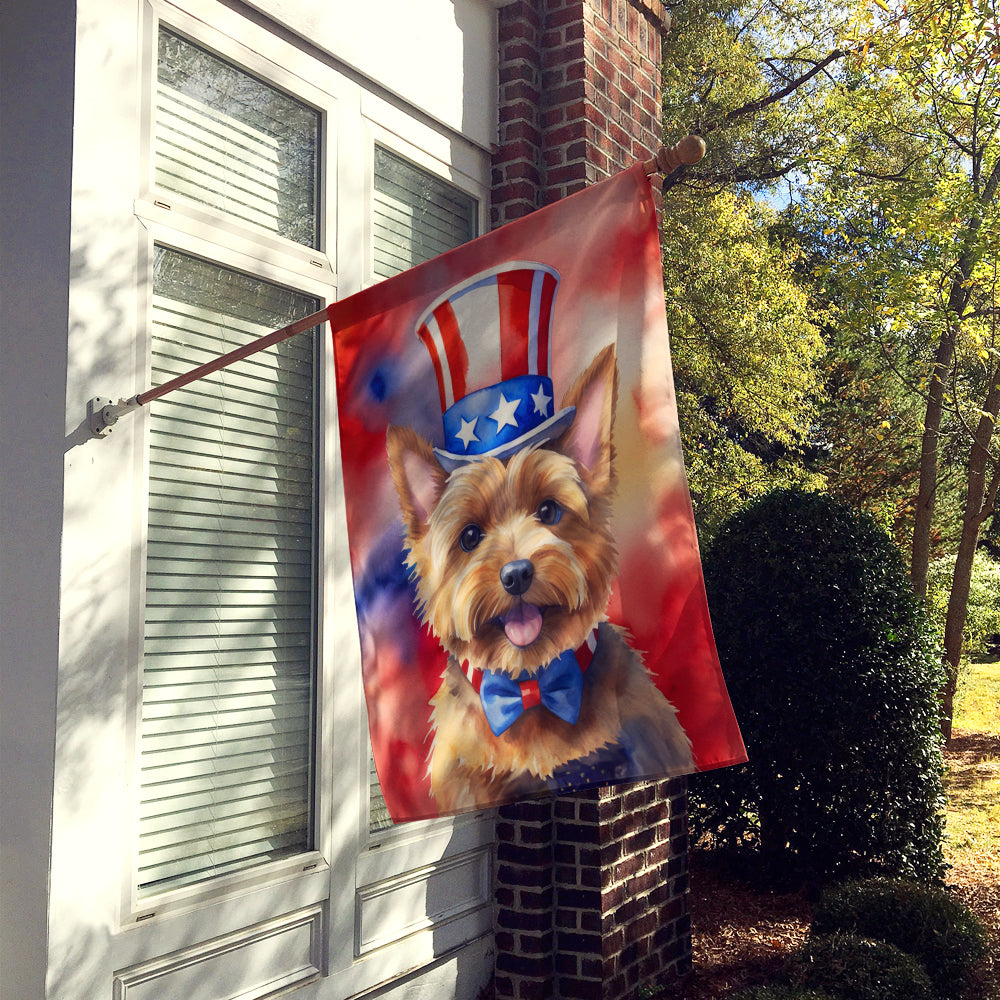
(260, 344)
(102, 414)
(687, 152)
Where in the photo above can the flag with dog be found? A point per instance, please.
(526, 574)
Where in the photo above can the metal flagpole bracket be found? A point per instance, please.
(103, 413)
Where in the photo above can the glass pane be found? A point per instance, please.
(231, 141)
(416, 217)
(228, 679)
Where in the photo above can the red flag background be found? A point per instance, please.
(603, 244)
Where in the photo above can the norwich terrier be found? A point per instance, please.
(514, 562)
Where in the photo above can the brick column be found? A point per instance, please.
(579, 96)
(621, 882)
(524, 900)
(591, 889)
(517, 160)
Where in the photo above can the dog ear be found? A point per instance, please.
(418, 477)
(588, 439)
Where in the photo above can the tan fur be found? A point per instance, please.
(459, 595)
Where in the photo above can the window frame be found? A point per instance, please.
(384, 126)
(136, 908)
(273, 61)
(177, 223)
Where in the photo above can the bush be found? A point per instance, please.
(856, 968)
(833, 673)
(925, 922)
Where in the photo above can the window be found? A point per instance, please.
(227, 140)
(253, 804)
(210, 827)
(416, 215)
(229, 646)
(228, 680)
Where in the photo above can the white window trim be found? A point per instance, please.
(287, 69)
(183, 225)
(463, 167)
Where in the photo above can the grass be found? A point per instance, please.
(978, 698)
(973, 782)
(972, 848)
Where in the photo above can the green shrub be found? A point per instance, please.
(856, 968)
(833, 673)
(925, 922)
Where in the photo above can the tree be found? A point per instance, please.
(747, 352)
(878, 122)
(912, 189)
(747, 357)
(746, 75)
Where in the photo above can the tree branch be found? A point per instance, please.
(754, 106)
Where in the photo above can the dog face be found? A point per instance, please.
(514, 558)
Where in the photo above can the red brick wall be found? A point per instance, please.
(591, 889)
(591, 893)
(579, 96)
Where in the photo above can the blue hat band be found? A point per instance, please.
(499, 415)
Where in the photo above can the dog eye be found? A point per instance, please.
(549, 512)
(471, 536)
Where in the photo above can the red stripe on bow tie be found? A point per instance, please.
(531, 694)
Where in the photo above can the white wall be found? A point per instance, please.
(36, 108)
(417, 51)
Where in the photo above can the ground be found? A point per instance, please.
(741, 935)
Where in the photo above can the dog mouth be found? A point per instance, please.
(522, 624)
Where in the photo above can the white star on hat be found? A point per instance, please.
(468, 432)
(541, 401)
(504, 413)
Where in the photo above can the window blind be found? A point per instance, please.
(416, 216)
(228, 653)
(228, 140)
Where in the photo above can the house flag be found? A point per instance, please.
(529, 593)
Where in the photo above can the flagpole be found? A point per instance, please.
(103, 413)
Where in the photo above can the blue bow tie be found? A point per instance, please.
(558, 686)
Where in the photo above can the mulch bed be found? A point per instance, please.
(742, 934)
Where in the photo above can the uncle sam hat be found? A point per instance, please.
(497, 398)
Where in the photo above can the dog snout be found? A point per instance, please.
(516, 576)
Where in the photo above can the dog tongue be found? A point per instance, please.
(523, 624)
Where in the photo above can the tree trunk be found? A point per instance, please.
(980, 499)
(958, 299)
(920, 553)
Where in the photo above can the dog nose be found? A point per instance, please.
(516, 576)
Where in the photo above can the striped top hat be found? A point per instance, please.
(498, 398)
